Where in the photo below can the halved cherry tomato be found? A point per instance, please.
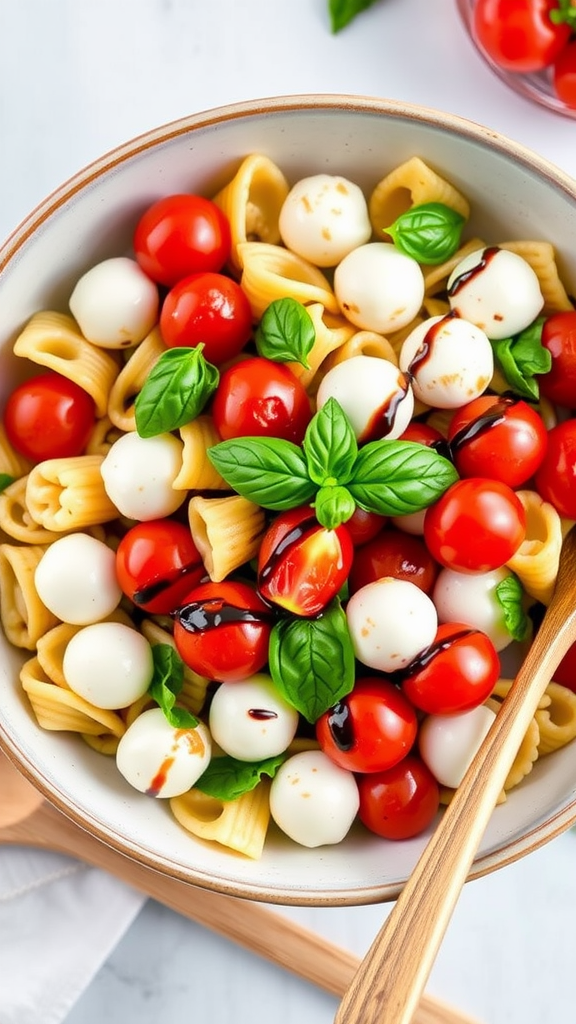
(556, 478)
(369, 730)
(181, 235)
(456, 673)
(519, 35)
(564, 75)
(210, 309)
(259, 398)
(497, 437)
(157, 563)
(559, 337)
(49, 417)
(400, 802)
(393, 553)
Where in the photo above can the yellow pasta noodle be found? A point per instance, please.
(252, 201)
(542, 259)
(411, 184)
(23, 615)
(227, 532)
(271, 272)
(557, 721)
(11, 462)
(536, 560)
(332, 333)
(130, 380)
(52, 645)
(197, 472)
(241, 825)
(102, 437)
(436, 277)
(68, 494)
(61, 710)
(15, 518)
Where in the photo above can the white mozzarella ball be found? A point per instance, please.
(250, 720)
(115, 304)
(323, 218)
(497, 290)
(412, 522)
(390, 622)
(449, 361)
(449, 743)
(109, 664)
(76, 579)
(374, 394)
(313, 800)
(471, 598)
(378, 288)
(138, 474)
(158, 759)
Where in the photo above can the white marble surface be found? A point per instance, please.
(78, 77)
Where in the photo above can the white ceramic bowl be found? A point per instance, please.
(513, 193)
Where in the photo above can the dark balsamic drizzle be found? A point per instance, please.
(427, 655)
(462, 280)
(201, 616)
(424, 351)
(262, 714)
(152, 590)
(383, 419)
(488, 419)
(290, 539)
(341, 727)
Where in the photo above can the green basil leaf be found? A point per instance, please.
(333, 505)
(342, 12)
(312, 661)
(175, 391)
(429, 233)
(564, 13)
(522, 358)
(509, 594)
(267, 470)
(226, 778)
(330, 445)
(5, 481)
(286, 332)
(394, 478)
(167, 681)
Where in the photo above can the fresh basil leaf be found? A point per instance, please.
(509, 594)
(175, 391)
(226, 778)
(333, 505)
(429, 233)
(394, 478)
(167, 681)
(312, 661)
(5, 481)
(521, 358)
(342, 12)
(330, 445)
(267, 470)
(286, 332)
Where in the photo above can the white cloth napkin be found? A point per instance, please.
(59, 921)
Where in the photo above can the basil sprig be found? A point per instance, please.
(342, 12)
(429, 233)
(509, 594)
(5, 481)
(387, 477)
(312, 660)
(522, 358)
(175, 391)
(167, 682)
(227, 778)
(286, 332)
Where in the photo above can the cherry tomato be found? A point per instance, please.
(564, 75)
(363, 526)
(181, 235)
(497, 437)
(157, 562)
(301, 564)
(400, 802)
(477, 525)
(259, 398)
(519, 35)
(371, 729)
(393, 553)
(222, 630)
(556, 478)
(209, 308)
(49, 417)
(456, 673)
(422, 433)
(559, 337)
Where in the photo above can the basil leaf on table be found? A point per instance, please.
(330, 445)
(312, 661)
(175, 391)
(286, 332)
(342, 12)
(394, 478)
(227, 778)
(267, 470)
(521, 358)
(167, 681)
(509, 594)
(5, 481)
(429, 233)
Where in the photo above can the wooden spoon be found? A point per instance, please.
(27, 819)
(394, 971)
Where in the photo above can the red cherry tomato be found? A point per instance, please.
(393, 553)
(209, 308)
(456, 673)
(556, 478)
(559, 337)
(564, 75)
(422, 433)
(400, 802)
(363, 526)
(477, 525)
(259, 398)
(301, 564)
(222, 631)
(499, 438)
(157, 563)
(181, 235)
(49, 417)
(371, 729)
(519, 35)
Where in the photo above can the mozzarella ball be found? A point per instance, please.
(375, 396)
(449, 743)
(412, 522)
(158, 759)
(250, 720)
(323, 218)
(471, 598)
(76, 579)
(497, 290)
(115, 304)
(449, 361)
(313, 800)
(390, 622)
(378, 288)
(138, 474)
(109, 664)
